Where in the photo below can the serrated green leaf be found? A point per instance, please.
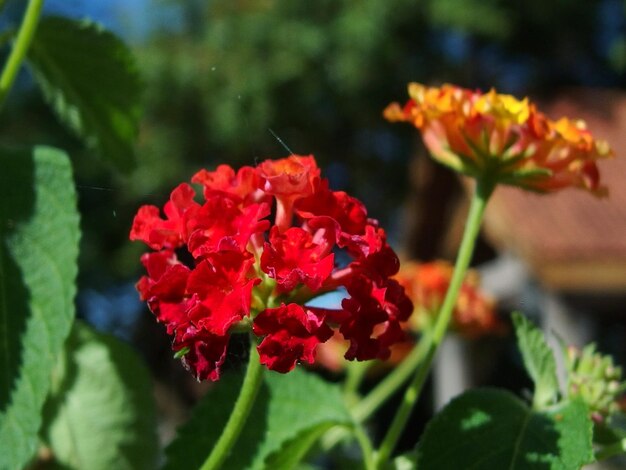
(538, 359)
(289, 405)
(39, 233)
(488, 429)
(101, 413)
(90, 79)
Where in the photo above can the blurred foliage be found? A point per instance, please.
(319, 73)
(91, 84)
(316, 73)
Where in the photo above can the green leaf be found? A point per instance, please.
(289, 406)
(89, 78)
(101, 412)
(611, 430)
(299, 401)
(293, 450)
(538, 359)
(39, 233)
(488, 429)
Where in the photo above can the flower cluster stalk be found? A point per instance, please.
(356, 372)
(392, 382)
(365, 407)
(249, 391)
(482, 192)
(366, 447)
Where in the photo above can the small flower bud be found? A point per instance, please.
(595, 379)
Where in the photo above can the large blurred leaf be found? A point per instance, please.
(489, 429)
(90, 79)
(39, 235)
(538, 359)
(101, 412)
(288, 406)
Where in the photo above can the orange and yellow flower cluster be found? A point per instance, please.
(497, 136)
(426, 285)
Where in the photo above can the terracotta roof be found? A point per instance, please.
(572, 240)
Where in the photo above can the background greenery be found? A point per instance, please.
(220, 77)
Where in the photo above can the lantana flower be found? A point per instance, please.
(426, 284)
(497, 136)
(223, 265)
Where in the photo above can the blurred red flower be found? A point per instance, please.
(426, 285)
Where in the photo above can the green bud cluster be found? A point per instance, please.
(594, 378)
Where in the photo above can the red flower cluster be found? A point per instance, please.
(245, 273)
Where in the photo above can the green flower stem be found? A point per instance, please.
(380, 394)
(355, 374)
(366, 447)
(20, 47)
(611, 450)
(249, 390)
(481, 195)
(392, 382)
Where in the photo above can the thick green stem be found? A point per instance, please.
(481, 195)
(249, 390)
(20, 47)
